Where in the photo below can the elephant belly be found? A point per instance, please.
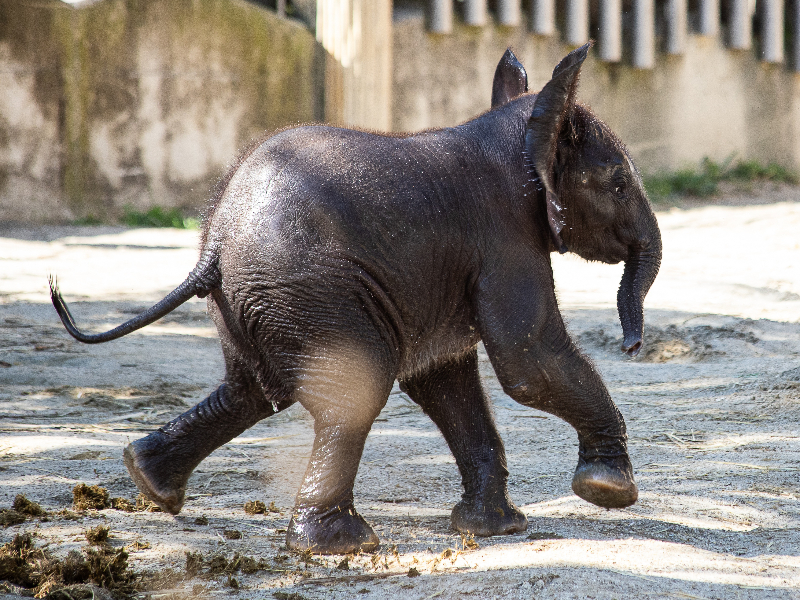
(446, 345)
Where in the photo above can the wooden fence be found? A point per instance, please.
(634, 24)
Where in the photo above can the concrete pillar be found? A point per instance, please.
(357, 34)
(508, 12)
(577, 32)
(709, 17)
(440, 16)
(610, 46)
(676, 26)
(475, 12)
(772, 31)
(740, 24)
(644, 56)
(796, 35)
(543, 17)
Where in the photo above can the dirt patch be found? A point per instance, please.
(712, 406)
(679, 343)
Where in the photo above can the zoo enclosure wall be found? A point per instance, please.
(678, 80)
(141, 103)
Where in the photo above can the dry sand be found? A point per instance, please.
(712, 406)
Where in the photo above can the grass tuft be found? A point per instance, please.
(751, 170)
(90, 497)
(159, 217)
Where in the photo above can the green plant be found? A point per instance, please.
(751, 170)
(704, 181)
(158, 217)
(686, 182)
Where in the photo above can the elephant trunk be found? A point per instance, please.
(641, 269)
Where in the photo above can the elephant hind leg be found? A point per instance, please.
(452, 396)
(161, 463)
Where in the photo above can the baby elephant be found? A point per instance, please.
(338, 261)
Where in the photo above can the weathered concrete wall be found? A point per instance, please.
(709, 102)
(141, 102)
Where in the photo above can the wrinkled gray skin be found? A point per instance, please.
(339, 261)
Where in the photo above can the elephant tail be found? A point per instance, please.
(204, 278)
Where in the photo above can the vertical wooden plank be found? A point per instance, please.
(475, 12)
(796, 36)
(772, 31)
(355, 33)
(508, 12)
(676, 26)
(709, 17)
(740, 23)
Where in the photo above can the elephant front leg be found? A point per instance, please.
(566, 385)
(161, 463)
(539, 366)
(604, 475)
(452, 396)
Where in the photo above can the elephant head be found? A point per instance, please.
(595, 200)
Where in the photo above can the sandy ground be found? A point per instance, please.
(712, 406)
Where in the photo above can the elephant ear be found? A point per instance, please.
(510, 79)
(551, 112)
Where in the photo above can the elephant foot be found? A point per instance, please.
(606, 482)
(156, 473)
(338, 530)
(485, 519)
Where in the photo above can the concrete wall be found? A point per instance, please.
(708, 102)
(142, 102)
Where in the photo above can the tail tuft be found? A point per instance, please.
(61, 307)
(200, 282)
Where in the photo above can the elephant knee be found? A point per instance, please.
(352, 416)
(528, 388)
(523, 391)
